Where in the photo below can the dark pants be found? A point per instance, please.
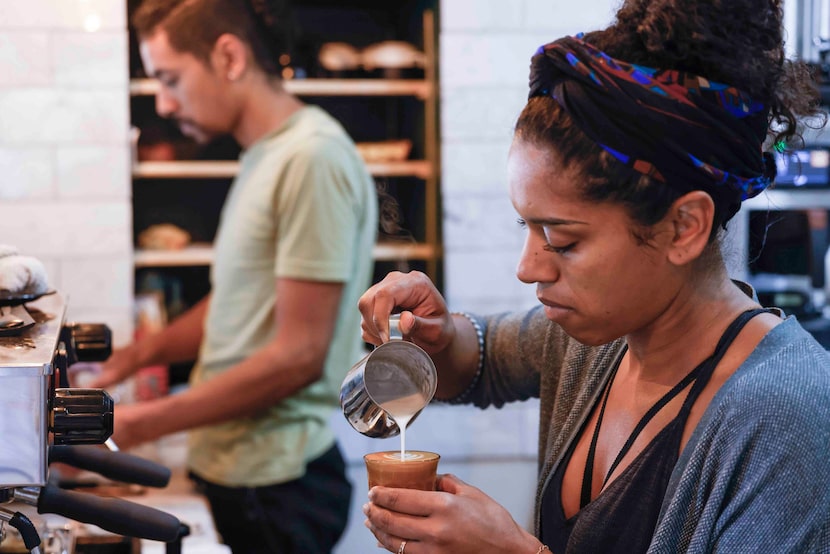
(305, 516)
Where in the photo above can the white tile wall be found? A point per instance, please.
(93, 172)
(58, 115)
(479, 15)
(80, 15)
(485, 51)
(64, 152)
(22, 60)
(83, 59)
(26, 172)
(563, 17)
(479, 114)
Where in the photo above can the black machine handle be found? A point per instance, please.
(81, 342)
(117, 466)
(82, 416)
(112, 514)
(87, 342)
(24, 526)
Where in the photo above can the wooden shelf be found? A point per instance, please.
(185, 169)
(325, 87)
(388, 251)
(201, 254)
(194, 255)
(218, 169)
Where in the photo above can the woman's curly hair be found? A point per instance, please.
(737, 42)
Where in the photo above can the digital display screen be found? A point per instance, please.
(789, 299)
(803, 168)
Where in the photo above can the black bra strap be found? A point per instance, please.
(720, 350)
(700, 375)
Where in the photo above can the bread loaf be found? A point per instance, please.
(163, 236)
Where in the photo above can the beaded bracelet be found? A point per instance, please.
(477, 377)
(542, 549)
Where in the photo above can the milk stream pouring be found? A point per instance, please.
(386, 390)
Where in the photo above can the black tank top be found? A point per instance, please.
(622, 518)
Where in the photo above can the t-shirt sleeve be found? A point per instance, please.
(320, 206)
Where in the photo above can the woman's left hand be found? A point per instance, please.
(457, 518)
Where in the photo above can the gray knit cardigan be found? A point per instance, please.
(755, 474)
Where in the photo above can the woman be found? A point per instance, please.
(677, 414)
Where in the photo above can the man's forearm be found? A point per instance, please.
(244, 390)
(178, 342)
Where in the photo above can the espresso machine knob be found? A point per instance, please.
(82, 416)
(89, 342)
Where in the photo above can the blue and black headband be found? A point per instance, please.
(678, 128)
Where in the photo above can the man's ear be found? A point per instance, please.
(229, 57)
(691, 217)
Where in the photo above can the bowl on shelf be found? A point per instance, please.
(393, 59)
(385, 151)
(339, 59)
(163, 236)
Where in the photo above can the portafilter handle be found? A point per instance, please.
(115, 515)
(118, 466)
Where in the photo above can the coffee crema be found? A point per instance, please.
(416, 470)
(406, 456)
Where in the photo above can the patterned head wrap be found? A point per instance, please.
(678, 128)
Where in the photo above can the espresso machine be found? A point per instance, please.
(43, 420)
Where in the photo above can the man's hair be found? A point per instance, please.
(193, 26)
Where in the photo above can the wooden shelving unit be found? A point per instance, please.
(423, 172)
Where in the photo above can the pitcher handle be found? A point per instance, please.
(395, 327)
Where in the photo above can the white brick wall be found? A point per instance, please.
(64, 151)
(485, 57)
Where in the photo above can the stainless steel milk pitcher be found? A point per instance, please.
(393, 371)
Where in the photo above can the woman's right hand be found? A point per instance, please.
(424, 316)
(457, 519)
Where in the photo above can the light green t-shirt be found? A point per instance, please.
(302, 206)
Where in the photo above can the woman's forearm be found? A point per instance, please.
(458, 364)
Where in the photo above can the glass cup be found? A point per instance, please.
(417, 470)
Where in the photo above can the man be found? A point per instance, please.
(279, 329)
